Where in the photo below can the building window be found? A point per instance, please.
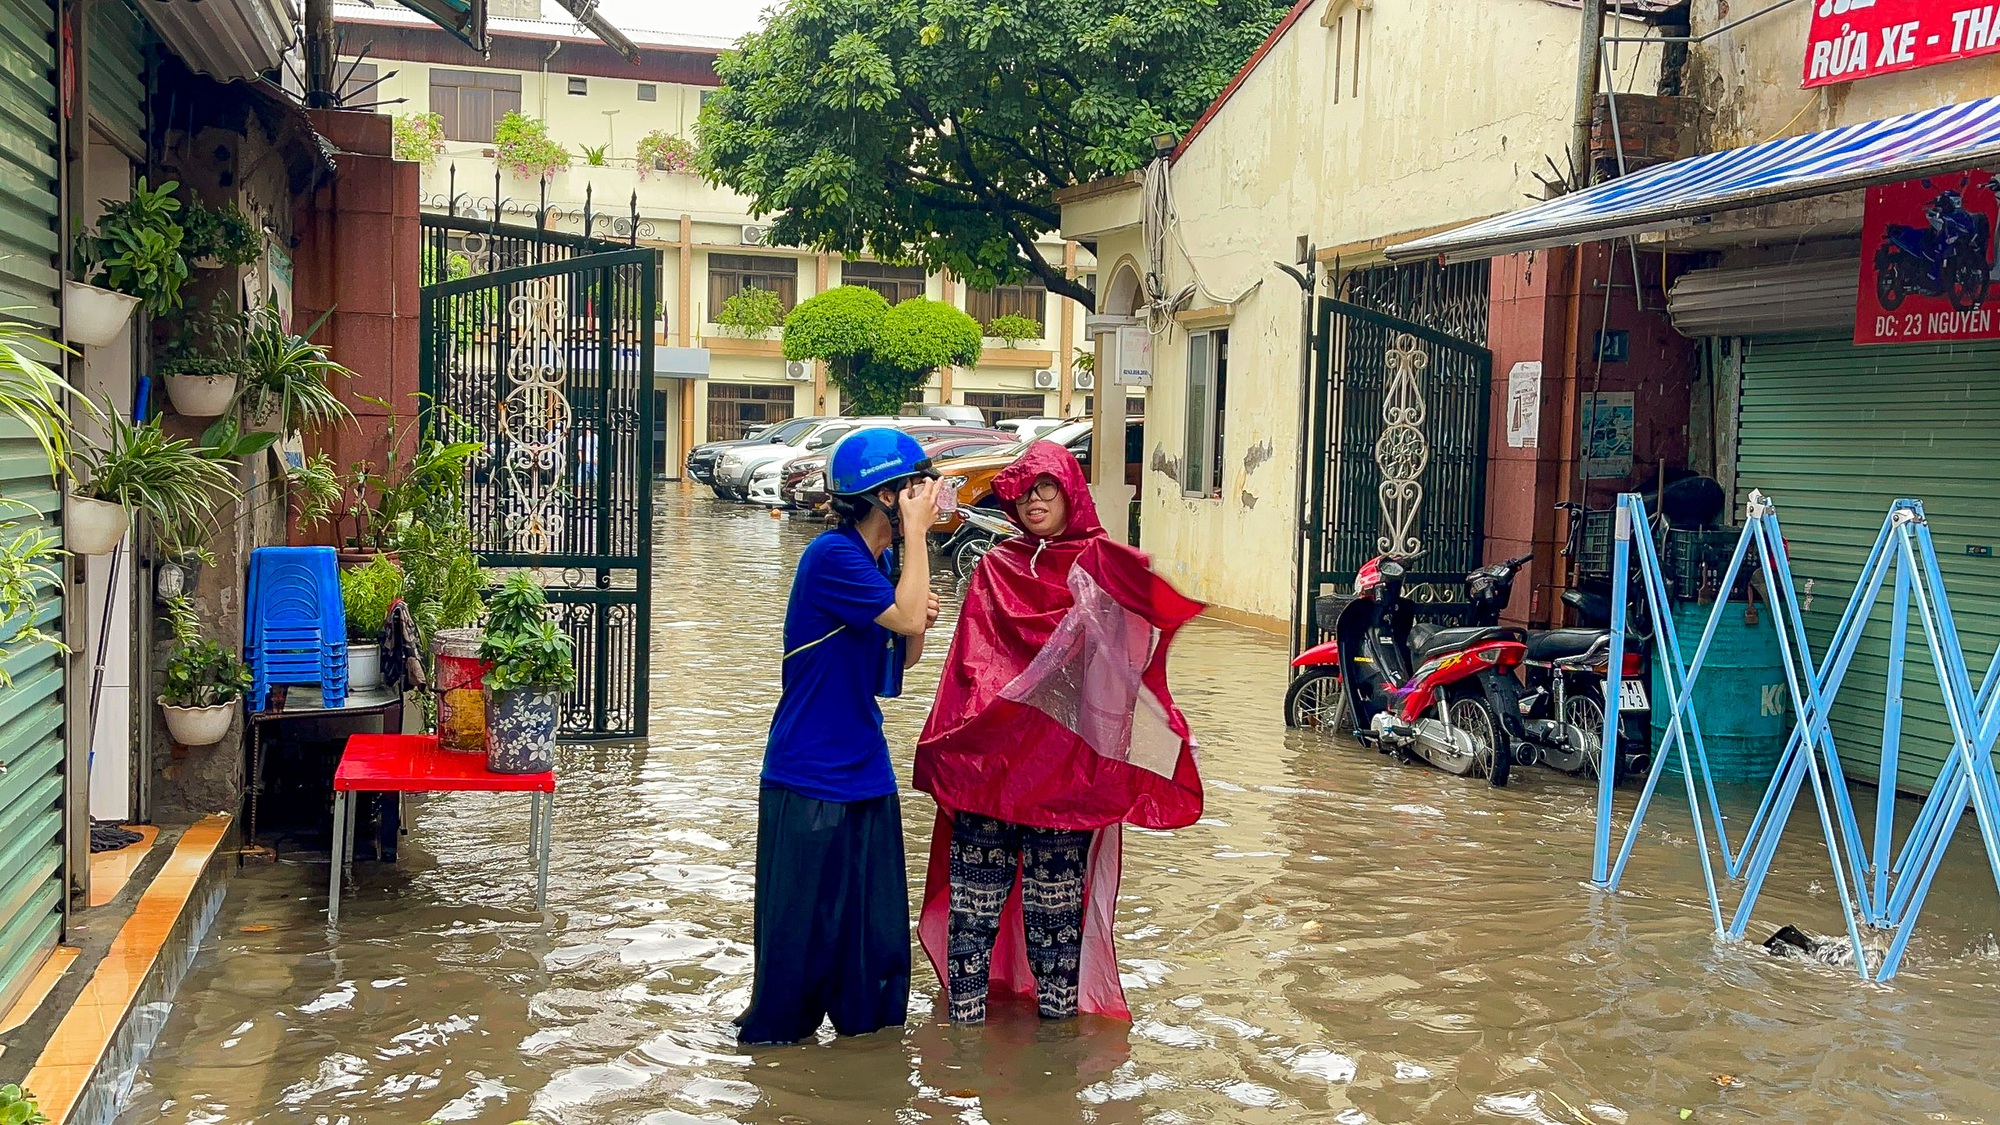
(472, 103)
(998, 408)
(1208, 384)
(734, 408)
(357, 82)
(730, 274)
(579, 85)
(895, 283)
(989, 305)
(649, 92)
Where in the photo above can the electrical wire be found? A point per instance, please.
(1159, 224)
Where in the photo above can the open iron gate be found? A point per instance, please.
(1395, 426)
(540, 345)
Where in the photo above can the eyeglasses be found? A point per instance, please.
(1045, 490)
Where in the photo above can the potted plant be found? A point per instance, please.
(138, 468)
(382, 503)
(219, 237)
(367, 592)
(287, 378)
(204, 362)
(204, 682)
(524, 147)
(1011, 330)
(661, 151)
(419, 137)
(17, 1107)
(533, 664)
(132, 258)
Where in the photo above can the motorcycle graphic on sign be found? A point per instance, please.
(1927, 261)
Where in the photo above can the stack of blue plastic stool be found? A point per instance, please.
(295, 625)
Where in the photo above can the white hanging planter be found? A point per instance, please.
(201, 396)
(93, 527)
(94, 317)
(264, 419)
(198, 726)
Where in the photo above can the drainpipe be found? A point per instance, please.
(545, 79)
(1589, 59)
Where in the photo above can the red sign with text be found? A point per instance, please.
(1927, 268)
(1853, 39)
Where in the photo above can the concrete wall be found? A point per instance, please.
(1447, 119)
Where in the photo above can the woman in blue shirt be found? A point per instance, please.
(832, 917)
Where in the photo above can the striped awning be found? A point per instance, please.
(1686, 193)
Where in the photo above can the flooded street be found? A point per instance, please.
(1341, 938)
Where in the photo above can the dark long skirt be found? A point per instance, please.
(832, 929)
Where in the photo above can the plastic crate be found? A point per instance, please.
(1593, 554)
(1696, 559)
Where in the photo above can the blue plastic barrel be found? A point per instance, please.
(1741, 700)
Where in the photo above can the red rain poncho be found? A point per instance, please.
(1053, 712)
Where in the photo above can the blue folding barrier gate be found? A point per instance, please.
(1880, 886)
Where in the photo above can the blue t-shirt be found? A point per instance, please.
(826, 739)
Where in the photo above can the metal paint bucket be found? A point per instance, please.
(460, 691)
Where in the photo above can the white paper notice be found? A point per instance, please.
(1524, 405)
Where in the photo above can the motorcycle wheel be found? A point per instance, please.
(1491, 755)
(1584, 719)
(1317, 700)
(966, 559)
(1966, 286)
(1889, 291)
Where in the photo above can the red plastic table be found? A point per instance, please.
(413, 763)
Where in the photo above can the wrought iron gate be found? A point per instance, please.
(1395, 426)
(540, 345)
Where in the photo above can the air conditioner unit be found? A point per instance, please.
(798, 371)
(1085, 380)
(754, 235)
(1045, 379)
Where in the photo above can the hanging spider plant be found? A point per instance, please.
(139, 468)
(288, 378)
(31, 392)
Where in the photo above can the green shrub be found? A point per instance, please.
(1014, 329)
(419, 137)
(367, 592)
(524, 146)
(661, 151)
(751, 313)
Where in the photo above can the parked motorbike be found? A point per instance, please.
(1410, 688)
(1950, 257)
(979, 530)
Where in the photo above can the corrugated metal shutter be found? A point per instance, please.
(31, 710)
(1834, 433)
(28, 278)
(118, 74)
(1766, 300)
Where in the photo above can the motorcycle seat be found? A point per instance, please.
(1558, 643)
(1427, 644)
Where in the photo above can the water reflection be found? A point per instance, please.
(1340, 938)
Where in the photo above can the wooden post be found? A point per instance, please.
(819, 365)
(947, 293)
(1065, 347)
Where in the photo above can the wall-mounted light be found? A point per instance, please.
(1164, 144)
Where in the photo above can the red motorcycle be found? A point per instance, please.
(1413, 689)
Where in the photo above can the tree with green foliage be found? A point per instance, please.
(939, 133)
(877, 353)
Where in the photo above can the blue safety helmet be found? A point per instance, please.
(874, 457)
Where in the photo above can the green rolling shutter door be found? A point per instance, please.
(1833, 433)
(118, 73)
(31, 709)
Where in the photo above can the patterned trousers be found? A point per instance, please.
(986, 855)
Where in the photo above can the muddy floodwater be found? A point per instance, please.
(1341, 938)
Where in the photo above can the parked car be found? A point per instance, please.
(734, 467)
(1028, 429)
(804, 482)
(1073, 435)
(954, 414)
(702, 458)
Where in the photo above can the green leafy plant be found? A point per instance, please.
(1014, 329)
(419, 137)
(594, 155)
(315, 489)
(527, 649)
(17, 1108)
(287, 377)
(200, 672)
(751, 313)
(222, 235)
(367, 592)
(140, 468)
(523, 146)
(426, 483)
(661, 151)
(877, 353)
(31, 392)
(207, 341)
(443, 583)
(1083, 360)
(29, 551)
(136, 248)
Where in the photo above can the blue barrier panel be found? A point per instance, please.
(1875, 890)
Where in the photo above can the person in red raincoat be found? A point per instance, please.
(1053, 727)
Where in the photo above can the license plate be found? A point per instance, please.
(1632, 696)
